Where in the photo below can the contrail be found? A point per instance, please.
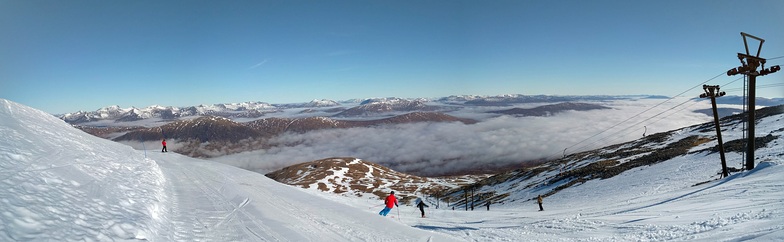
(259, 64)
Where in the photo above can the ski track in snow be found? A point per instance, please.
(222, 203)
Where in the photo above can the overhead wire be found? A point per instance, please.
(634, 116)
(613, 136)
(693, 102)
(620, 134)
(758, 87)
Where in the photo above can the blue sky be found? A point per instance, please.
(65, 56)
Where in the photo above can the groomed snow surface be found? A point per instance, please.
(60, 184)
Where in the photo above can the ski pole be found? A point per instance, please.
(377, 206)
(398, 213)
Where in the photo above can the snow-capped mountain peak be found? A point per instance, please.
(118, 114)
(322, 103)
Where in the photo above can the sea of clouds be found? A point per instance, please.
(433, 149)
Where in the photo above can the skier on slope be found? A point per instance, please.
(389, 201)
(164, 146)
(421, 204)
(539, 200)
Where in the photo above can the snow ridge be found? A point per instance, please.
(46, 176)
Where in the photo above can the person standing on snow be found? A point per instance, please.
(164, 146)
(539, 200)
(488, 205)
(422, 206)
(389, 201)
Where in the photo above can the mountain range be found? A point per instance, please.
(357, 108)
(345, 109)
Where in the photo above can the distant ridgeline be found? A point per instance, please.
(375, 107)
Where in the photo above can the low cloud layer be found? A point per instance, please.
(446, 148)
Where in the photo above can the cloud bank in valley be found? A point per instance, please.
(448, 148)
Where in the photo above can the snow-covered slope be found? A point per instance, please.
(654, 204)
(60, 184)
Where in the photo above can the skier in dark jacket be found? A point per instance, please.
(164, 146)
(488, 205)
(422, 206)
(389, 201)
(539, 200)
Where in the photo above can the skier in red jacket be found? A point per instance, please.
(389, 201)
(164, 146)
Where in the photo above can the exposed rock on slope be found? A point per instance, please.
(355, 177)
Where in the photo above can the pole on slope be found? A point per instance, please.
(713, 92)
(465, 197)
(749, 64)
(144, 148)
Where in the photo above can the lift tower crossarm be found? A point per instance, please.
(748, 67)
(747, 45)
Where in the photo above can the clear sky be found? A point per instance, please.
(65, 56)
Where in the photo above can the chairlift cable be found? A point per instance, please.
(659, 104)
(581, 144)
(622, 122)
(616, 136)
(775, 58)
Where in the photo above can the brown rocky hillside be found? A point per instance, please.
(552, 109)
(355, 177)
(215, 128)
(202, 129)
